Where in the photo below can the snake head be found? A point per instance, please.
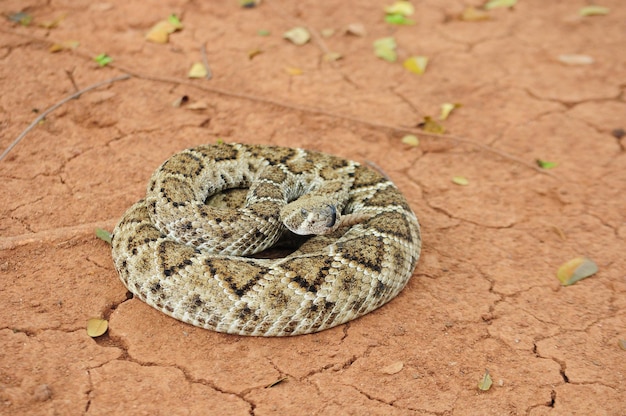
(310, 217)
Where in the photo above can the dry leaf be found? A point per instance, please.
(297, 35)
(446, 109)
(472, 14)
(401, 7)
(332, 56)
(411, 140)
(97, 327)
(576, 59)
(494, 4)
(160, 32)
(385, 48)
(328, 32)
(575, 270)
(254, 52)
(460, 180)
(622, 344)
(416, 64)
(393, 368)
(198, 70)
(593, 11)
(51, 24)
(431, 126)
(356, 29)
(294, 71)
(69, 44)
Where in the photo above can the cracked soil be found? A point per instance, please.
(485, 293)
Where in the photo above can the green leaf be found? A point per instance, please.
(103, 59)
(593, 11)
(494, 4)
(385, 48)
(263, 32)
(103, 235)
(398, 19)
(22, 18)
(175, 21)
(416, 64)
(485, 382)
(544, 164)
(575, 270)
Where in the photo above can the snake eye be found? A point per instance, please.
(333, 216)
(304, 212)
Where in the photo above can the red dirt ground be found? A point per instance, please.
(484, 295)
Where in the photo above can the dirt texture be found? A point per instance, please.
(485, 293)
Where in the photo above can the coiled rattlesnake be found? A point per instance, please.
(185, 258)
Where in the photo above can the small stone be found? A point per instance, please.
(42, 393)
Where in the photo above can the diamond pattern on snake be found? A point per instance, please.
(194, 259)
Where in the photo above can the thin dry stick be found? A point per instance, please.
(353, 119)
(59, 104)
(205, 61)
(249, 97)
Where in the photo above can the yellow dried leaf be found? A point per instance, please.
(332, 56)
(460, 180)
(593, 11)
(254, 52)
(431, 126)
(393, 368)
(197, 70)
(411, 140)
(472, 14)
(400, 7)
(97, 327)
(51, 24)
(297, 35)
(69, 44)
(493, 4)
(575, 270)
(622, 344)
(416, 64)
(294, 71)
(160, 32)
(446, 109)
(328, 32)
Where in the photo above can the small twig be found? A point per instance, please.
(57, 105)
(70, 75)
(266, 100)
(205, 62)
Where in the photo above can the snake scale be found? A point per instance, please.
(191, 259)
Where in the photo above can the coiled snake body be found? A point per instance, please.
(186, 257)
